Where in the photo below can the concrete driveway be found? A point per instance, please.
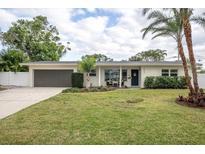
(16, 99)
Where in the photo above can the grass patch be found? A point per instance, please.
(127, 116)
(135, 100)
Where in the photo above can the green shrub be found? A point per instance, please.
(71, 90)
(182, 82)
(149, 82)
(161, 82)
(93, 89)
(77, 80)
(165, 82)
(83, 90)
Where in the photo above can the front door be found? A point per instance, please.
(135, 77)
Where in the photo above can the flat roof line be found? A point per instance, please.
(105, 63)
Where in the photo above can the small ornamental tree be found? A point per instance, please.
(86, 65)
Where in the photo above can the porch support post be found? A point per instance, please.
(99, 76)
(120, 82)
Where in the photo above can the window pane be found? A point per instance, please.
(124, 75)
(174, 72)
(112, 75)
(93, 73)
(115, 76)
(165, 72)
(107, 75)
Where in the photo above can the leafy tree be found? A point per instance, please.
(11, 59)
(86, 65)
(99, 57)
(36, 37)
(150, 55)
(169, 26)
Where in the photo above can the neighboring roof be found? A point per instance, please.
(111, 63)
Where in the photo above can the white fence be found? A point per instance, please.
(22, 79)
(201, 79)
(15, 79)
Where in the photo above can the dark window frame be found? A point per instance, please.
(124, 76)
(92, 72)
(175, 73)
(112, 74)
(164, 72)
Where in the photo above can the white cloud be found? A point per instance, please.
(91, 33)
(6, 18)
(79, 12)
(91, 9)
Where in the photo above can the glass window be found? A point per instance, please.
(112, 75)
(92, 72)
(107, 75)
(165, 72)
(174, 72)
(124, 75)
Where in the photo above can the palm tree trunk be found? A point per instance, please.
(185, 66)
(188, 35)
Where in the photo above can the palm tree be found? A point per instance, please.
(169, 26)
(87, 65)
(187, 16)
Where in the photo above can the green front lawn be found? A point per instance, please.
(129, 116)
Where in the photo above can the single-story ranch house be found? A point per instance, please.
(116, 73)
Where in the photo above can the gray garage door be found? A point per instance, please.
(52, 78)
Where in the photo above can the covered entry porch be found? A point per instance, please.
(118, 76)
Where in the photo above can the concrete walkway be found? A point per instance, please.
(16, 99)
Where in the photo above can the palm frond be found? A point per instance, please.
(145, 11)
(156, 15)
(152, 26)
(165, 31)
(166, 24)
(160, 29)
(145, 31)
(199, 20)
(164, 34)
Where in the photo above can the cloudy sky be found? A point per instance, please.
(114, 32)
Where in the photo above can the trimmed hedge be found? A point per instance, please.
(77, 80)
(165, 82)
(93, 89)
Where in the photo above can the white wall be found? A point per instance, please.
(156, 71)
(201, 80)
(144, 71)
(48, 67)
(15, 79)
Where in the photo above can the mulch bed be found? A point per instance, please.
(189, 104)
